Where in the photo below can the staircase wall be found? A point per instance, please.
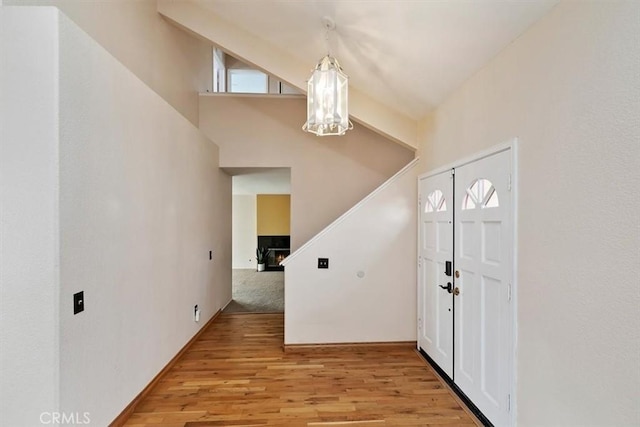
(368, 293)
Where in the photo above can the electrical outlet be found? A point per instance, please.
(78, 302)
(323, 262)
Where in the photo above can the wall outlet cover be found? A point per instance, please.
(323, 262)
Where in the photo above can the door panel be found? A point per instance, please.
(482, 332)
(435, 305)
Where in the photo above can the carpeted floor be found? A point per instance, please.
(257, 292)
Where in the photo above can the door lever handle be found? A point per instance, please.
(449, 287)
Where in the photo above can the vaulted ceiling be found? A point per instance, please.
(403, 57)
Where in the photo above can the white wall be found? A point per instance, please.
(244, 231)
(569, 89)
(376, 238)
(176, 65)
(109, 190)
(142, 202)
(29, 256)
(328, 175)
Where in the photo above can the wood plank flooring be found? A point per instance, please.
(237, 374)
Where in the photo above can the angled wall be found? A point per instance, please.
(569, 89)
(174, 64)
(328, 174)
(368, 293)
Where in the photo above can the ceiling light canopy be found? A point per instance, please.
(328, 96)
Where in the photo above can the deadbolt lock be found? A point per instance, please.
(457, 274)
(456, 291)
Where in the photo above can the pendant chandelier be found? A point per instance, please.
(328, 95)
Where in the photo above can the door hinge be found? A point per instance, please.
(419, 261)
(508, 403)
(509, 183)
(453, 173)
(509, 291)
(419, 323)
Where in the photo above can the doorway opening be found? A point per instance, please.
(261, 231)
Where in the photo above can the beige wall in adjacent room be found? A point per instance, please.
(174, 64)
(569, 90)
(273, 212)
(244, 231)
(328, 174)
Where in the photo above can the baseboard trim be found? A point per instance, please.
(226, 305)
(242, 313)
(128, 411)
(288, 348)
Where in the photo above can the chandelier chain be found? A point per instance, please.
(329, 26)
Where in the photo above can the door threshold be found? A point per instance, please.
(459, 393)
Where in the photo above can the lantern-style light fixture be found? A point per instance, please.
(328, 96)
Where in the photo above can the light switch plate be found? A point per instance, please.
(78, 302)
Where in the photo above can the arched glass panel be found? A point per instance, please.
(481, 193)
(435, 202)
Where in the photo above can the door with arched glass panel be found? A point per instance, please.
(435, 260)
(465, 318)
(483, 264)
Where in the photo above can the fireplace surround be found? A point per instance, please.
(279, 248)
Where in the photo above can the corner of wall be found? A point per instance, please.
(29, 265)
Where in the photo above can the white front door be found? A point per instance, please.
(435, 257)
(483, 264)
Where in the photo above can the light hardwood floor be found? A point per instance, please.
(237, 374)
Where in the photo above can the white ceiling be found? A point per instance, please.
(250, 181)
(407, 54)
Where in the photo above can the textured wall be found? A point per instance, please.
(569, 89)
(29, 275)
(328, 175)
(368, 294)
(171, 62)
